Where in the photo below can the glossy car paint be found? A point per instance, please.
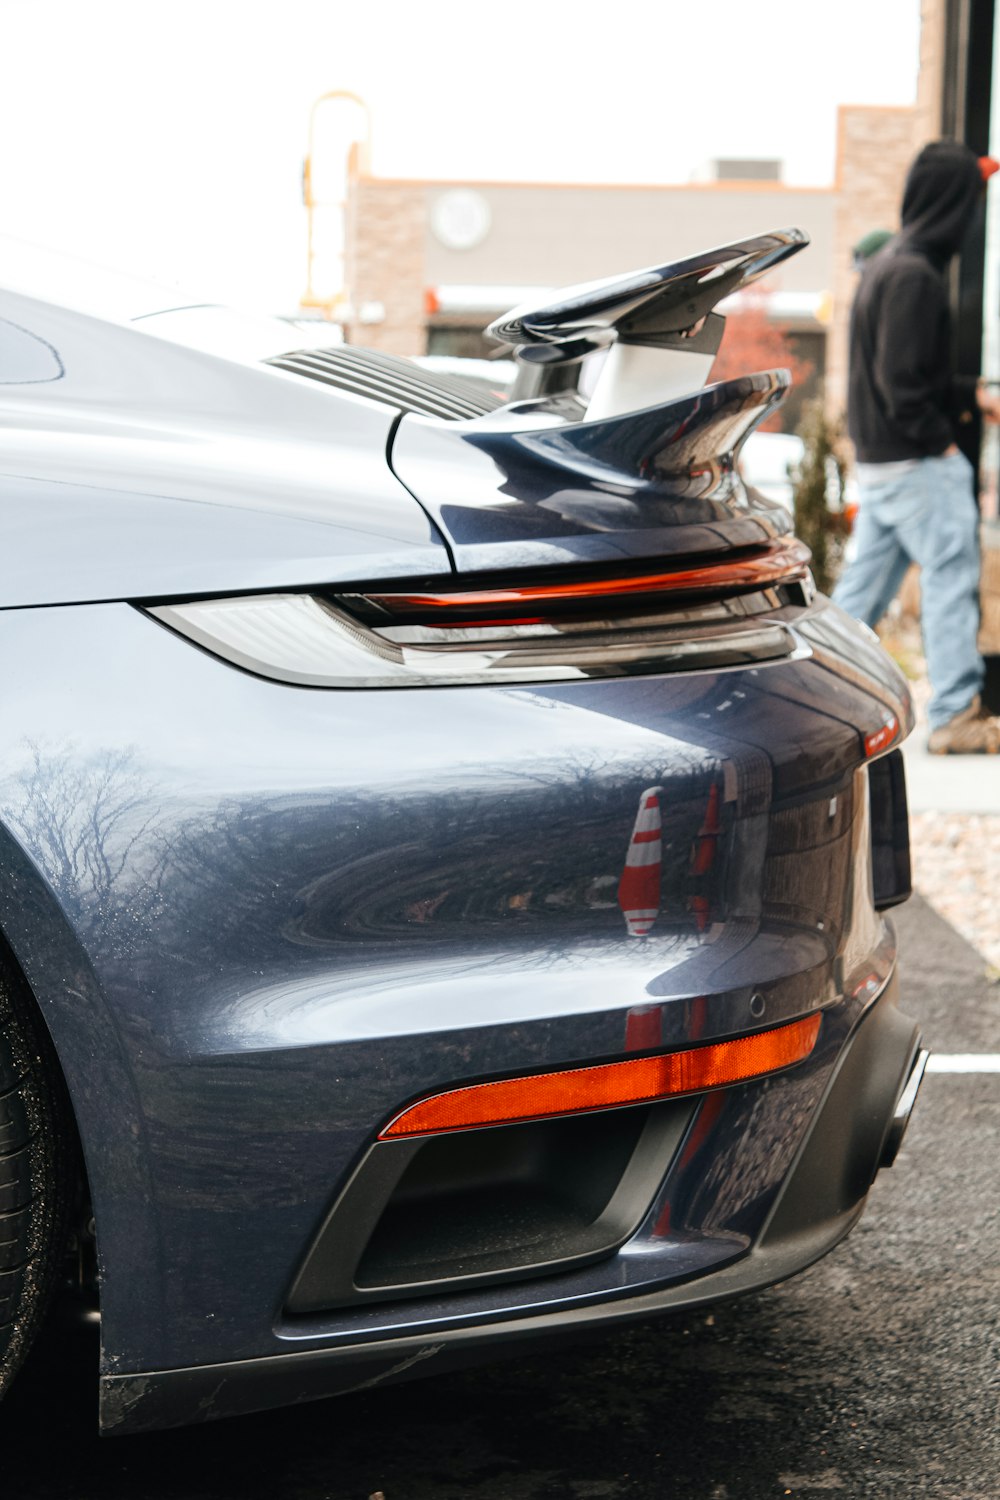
(259, 919)
(137, 467)
(524, 489)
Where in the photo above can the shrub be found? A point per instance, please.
(818, 483)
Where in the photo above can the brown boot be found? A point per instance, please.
(972, 732)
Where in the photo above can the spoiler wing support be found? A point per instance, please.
(658, 325)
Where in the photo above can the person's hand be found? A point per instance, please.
(988, 402)
(950, 451)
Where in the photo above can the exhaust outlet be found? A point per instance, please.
(903, 1110)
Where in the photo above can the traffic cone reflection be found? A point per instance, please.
(639, 887)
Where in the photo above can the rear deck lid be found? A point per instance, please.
(527, 488)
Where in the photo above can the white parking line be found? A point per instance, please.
(964, 1062)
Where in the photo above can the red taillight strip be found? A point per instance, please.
(781, 561)
(639, 1080)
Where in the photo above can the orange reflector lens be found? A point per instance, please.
(639, 1080)
(882, 738)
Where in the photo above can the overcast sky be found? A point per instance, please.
(168, 138)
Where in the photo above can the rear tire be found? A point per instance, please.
(34, 1172)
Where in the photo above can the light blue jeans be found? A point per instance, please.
(926, 516)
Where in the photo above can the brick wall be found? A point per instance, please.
(384, 252)
(875, 145)
(545, 234)
(930, 84)
(989, 592)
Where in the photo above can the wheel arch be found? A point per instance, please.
(49, 956)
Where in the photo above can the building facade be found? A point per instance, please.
(430, 264)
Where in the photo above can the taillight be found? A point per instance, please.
(710, 614)
(305, 641)
(782, 561)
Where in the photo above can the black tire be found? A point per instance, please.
(35, 1154)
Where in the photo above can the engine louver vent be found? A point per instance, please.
(384, 377)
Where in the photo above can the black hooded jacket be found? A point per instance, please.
(900, 398)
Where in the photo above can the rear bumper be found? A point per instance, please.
(335, 903)
(856, 1128)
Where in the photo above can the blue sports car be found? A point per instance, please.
(444, 843)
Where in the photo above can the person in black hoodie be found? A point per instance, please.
(917, 502)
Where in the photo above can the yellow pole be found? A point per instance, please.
(360, 161)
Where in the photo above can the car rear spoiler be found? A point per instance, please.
(657, 324)
(521, 489)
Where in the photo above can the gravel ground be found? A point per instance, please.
(956, 856)
(956, 867)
